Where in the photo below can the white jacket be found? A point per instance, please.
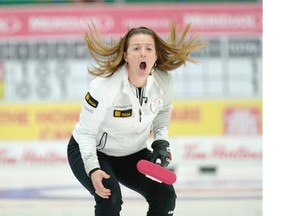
(113, 121)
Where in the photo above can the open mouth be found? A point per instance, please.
(142, 65)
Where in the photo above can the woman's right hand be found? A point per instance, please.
(97, 177)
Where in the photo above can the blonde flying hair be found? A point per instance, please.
(171, 53)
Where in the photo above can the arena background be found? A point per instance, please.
(216, 127)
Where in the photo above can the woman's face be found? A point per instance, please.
(141, 57)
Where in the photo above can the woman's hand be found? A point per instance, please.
(97, 177)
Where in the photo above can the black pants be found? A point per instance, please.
(160, 197)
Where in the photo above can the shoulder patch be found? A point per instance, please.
(90, 100)
(122, 113)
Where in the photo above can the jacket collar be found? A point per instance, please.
(127, 85)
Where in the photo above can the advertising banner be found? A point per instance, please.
(189, 118)
(38, 121)
(115, 19)
(190, 152)
(205, 166)
(217, 118)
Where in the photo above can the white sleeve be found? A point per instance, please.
(162, 119)
(93, 112)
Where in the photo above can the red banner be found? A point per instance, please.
(72, 20)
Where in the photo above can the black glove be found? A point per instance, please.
(161, 150)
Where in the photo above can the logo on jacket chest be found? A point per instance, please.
(155, 105)
(122, 113)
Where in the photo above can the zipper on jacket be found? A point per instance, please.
(139, 95)
(140, 115)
